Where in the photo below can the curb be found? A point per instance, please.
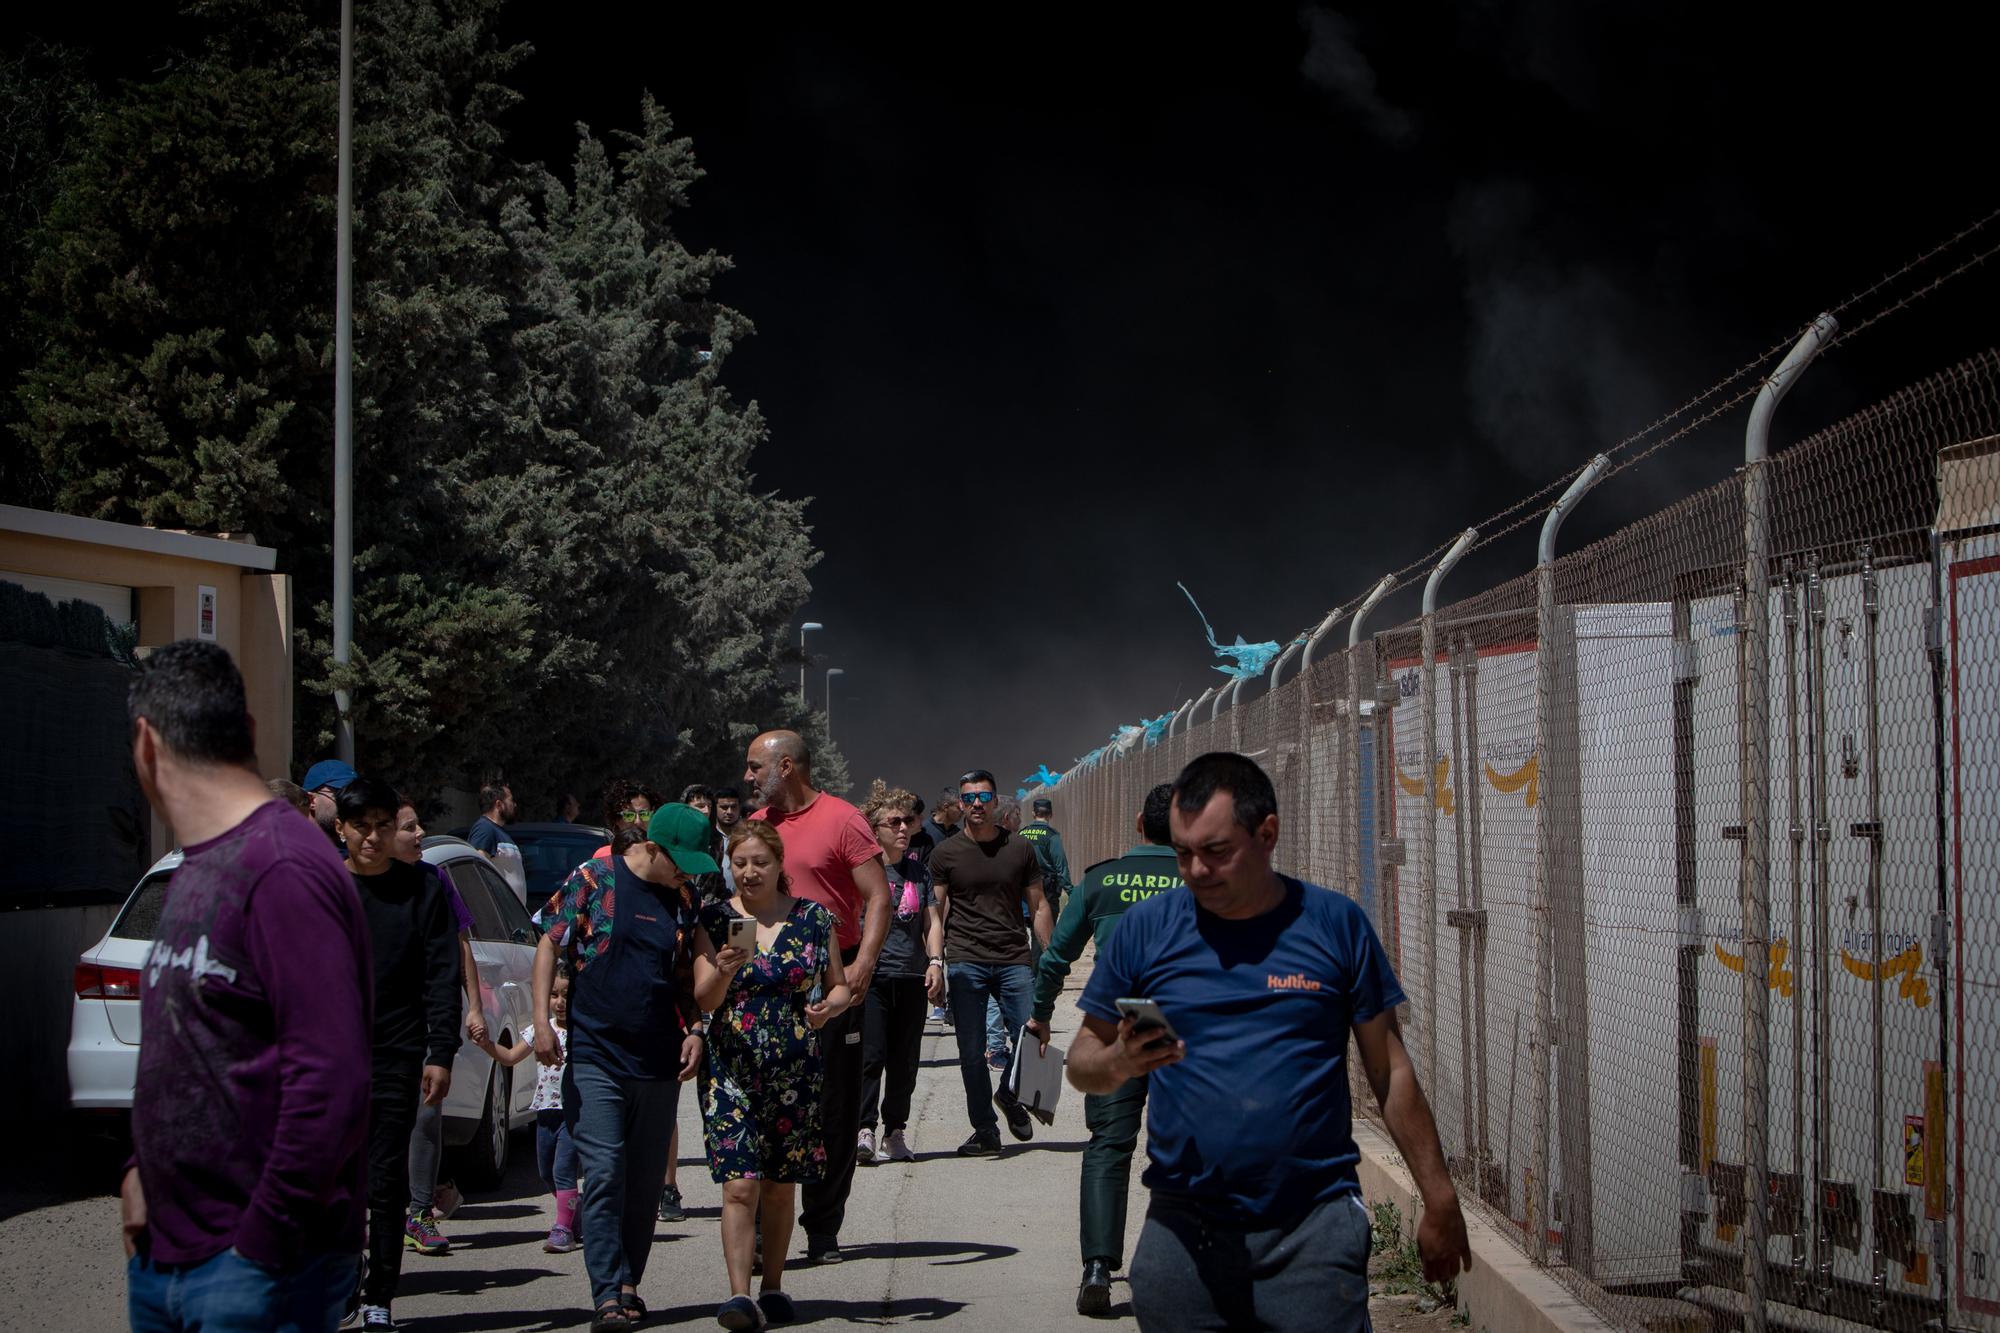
(1504, 1290)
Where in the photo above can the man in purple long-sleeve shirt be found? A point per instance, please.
(243, 1205)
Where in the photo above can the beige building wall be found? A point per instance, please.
(67, 557)
(166, 571)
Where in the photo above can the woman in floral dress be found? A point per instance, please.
(762, 1121)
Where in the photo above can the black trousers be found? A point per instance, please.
(392, 1114)
(892, 1039)
(823, 1207)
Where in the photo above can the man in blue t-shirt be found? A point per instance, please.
(1256, 1218)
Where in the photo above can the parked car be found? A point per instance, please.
(486, 1104)
(549, 852)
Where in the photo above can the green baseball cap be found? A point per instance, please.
(686, 835)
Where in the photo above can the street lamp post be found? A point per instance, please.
(810, 624)
(343, 392)
(831, 672)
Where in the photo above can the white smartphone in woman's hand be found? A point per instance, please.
(743, 933)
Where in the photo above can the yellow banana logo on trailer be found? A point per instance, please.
(1527, 777)
(1905, 964)
(1442, 796)
(1779, 975)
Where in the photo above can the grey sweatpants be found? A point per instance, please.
(1195, 1270)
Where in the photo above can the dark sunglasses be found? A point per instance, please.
(898, 821)
(976, 797)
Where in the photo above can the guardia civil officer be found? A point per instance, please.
(1108, 888)
(1049, 854)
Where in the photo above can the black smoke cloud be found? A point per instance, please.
(1334, 63)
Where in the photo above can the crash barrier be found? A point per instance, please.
(1686, 848)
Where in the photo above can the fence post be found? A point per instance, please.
(1427, 1035)
(1309, 814)
(1353, 857)
(1753, 705)
(1556, 864)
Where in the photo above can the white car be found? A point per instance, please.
(486, 1103)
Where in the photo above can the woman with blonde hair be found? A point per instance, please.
(770, 997)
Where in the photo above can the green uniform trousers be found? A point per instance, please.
(1113, 1121)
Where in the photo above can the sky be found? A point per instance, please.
(1059, 307)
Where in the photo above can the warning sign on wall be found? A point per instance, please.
(1913, 1150)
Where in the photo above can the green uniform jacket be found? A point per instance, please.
(1050, 859)
(1108, 888)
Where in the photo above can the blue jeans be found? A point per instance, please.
(229, 1294)
(997, 1042)
(972, 985)
(555, 1150)
(622, 1128)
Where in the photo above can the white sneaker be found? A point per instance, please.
(864, 1147)
(894, 1148)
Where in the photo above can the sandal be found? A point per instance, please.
(611, 1317)
(635, 1309)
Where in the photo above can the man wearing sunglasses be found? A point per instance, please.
(983, 878)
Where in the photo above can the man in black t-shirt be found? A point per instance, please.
(983, 878)
(415, 949)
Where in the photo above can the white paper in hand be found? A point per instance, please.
(1035, 1077)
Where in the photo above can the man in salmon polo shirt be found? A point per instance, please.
(831, 857)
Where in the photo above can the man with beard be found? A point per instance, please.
(832, 858)
(323, 783)
(489, 834)
(987, 888)
(243, 1205)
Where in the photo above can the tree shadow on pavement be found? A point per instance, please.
(970, 1251)
(912, 1309)
(1011, 1150)
(76, 1157)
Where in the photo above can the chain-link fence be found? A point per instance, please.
(1686, 847)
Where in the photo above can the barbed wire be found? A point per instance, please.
(1526, 509)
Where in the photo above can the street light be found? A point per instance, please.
(831, 672)
(810, 624)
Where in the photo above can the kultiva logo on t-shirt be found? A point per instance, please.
(1296, 981)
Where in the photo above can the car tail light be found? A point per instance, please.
(106, 983)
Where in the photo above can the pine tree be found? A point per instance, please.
(564, 567)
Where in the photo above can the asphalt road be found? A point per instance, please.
(983, 1243)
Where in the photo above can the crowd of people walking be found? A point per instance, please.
(782, 952)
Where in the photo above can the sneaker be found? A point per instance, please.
(670, 1205)
(997, 1061)
(822, 1249)
(1019, 1123)
(1093, 1294)
(561, 1241)
(894, 1148)
(420, 1233)
(940, 1017)
(446, 1198)
(981, 1145)
(777, 1307)
(375, 1319)
(864, 1148)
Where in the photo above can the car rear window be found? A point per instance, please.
(141, 917)
(548, 859)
